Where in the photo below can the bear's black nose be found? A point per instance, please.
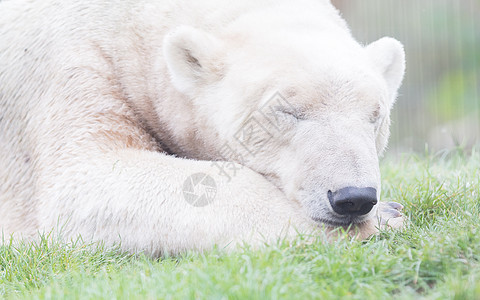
(353, 201)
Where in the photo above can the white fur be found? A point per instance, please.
(96, 96)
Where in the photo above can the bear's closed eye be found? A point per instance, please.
(375, 115)
(292, 113)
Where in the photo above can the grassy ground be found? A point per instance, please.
(436, 257)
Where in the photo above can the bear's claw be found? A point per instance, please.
(389, 214)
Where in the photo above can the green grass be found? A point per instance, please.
(435, 257)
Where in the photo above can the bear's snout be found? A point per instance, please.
(353, 201)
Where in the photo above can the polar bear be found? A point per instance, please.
(174, 125)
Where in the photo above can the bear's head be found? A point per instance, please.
(309, 109)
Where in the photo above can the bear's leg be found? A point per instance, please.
(152, 202)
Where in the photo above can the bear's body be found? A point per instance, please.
(100, 100)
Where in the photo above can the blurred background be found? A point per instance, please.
(439, 103)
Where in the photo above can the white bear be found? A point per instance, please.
(175, 125)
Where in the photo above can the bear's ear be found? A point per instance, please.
(192, 58)
(388, 57)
